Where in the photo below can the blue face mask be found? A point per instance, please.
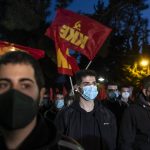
(113, 94)
(90, 92)
(59, 103)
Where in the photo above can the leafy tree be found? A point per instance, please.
(129, 33)
(22, 21)
(63, 4)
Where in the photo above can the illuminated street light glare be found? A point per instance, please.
(12, 49)
(144, 62)
(101, 79)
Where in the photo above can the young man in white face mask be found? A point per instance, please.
(86, 120)
(125, 95)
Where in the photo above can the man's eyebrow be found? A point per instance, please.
(26, 79)
(23, 79)
(85, 82)
(89, 82)
(5, 79)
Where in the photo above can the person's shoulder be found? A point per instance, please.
(104, 110)
(102, 107)
(132, 109)
(66, 110)
(133, 106)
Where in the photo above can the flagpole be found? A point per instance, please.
(88, 64)
(71, 85)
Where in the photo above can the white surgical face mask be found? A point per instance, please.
(90, 92)
(125, 95)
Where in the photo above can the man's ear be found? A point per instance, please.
(78, 90)
(42, 92)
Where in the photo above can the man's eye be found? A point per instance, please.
(85, 84)
(26, 86)
(4, 85)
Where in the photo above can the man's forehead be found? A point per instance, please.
(113, 87)
(88, 79)
(125, 89)
(17, 71)
(59, 96)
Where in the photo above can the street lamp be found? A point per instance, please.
(101, 79)
(145, 63)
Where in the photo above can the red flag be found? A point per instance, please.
(78, 32)
(51, 94)
(102, 93)
(64, 91)
(65, 63)
(6, 47)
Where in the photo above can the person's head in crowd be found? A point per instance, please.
(21, 89)
(45, 103)
(133, 93)
(86, 84)
(59, 101)
(145, 83)
(112, 91)
(125, 93)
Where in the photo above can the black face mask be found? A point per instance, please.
(16, 110)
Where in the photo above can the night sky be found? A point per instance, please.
(87, 6)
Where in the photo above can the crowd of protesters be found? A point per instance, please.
(111, 117)
(91, 117)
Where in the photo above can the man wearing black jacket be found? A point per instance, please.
(86, 120)
(21, 89)
(135, 126)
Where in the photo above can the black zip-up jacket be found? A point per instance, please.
(135, 126)
(73, 121)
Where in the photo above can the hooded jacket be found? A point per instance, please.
(45, 137)
(135, 126)
(93, 130)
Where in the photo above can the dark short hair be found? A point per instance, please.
(84, 73)
(145, 83)
(19, 57)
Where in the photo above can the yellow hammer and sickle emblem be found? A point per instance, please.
(77, 26)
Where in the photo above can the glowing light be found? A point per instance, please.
(144, 62)
(12, 49)
(101, 79)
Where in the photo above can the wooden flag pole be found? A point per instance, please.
(88, 64)
(71, 85)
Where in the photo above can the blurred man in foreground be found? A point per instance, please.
(21, 89)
